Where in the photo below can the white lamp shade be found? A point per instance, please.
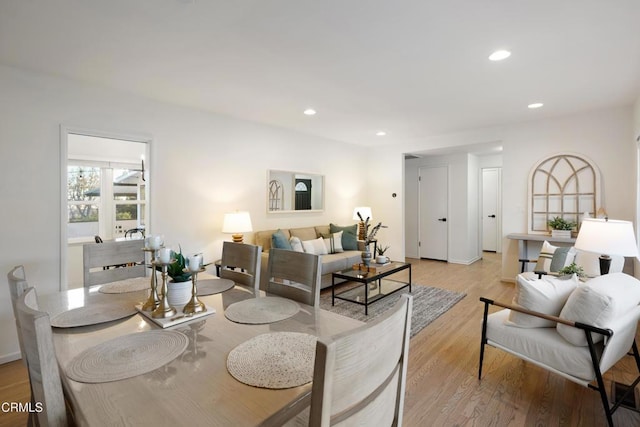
(237, 222)
(607, 237)
(365, 212)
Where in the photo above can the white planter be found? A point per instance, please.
(179, 293)
(561, 233)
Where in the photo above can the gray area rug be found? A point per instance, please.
(428, 304)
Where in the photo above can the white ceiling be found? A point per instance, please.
(414, 68)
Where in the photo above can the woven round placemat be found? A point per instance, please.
(214, 286)
(127, 285)
(93, 314)
(127, 356)
(275, 360)
(257, 311)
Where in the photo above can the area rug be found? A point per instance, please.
(428, 304)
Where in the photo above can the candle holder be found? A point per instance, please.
(194, 305)
(154, 300)
(164, 309)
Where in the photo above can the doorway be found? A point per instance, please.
(433, 212)
(491, 220)
(105, 192)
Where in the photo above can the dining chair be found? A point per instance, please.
(44, 374)
(294, 275)
(126, 259)
(17, 285)
(241, 263)
(359, 376)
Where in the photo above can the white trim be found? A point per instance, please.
(10, 357)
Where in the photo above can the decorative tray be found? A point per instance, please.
(177, 318)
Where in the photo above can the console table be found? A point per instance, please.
(523, 244)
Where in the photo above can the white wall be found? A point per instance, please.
(605, 136)
(463, 205)
(202, 166)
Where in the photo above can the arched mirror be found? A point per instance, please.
(563, 185)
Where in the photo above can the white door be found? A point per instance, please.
(433, 240)
(490, 209)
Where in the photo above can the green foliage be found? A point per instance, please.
(381, 249)
(559, 223)
(572, 269)
(175, 270)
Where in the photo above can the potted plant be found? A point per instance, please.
(179, 287)
(572, 269)
(560, 227)
(381, 259)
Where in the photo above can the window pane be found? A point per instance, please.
(83, 183)
(125, 184)
(82, 221)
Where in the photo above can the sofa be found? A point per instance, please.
(331, 262)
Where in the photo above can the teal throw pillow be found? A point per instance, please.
(279, 240)
(349, 236)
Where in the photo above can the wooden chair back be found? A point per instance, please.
(123, 260)
(17, 285)
(241, 263)
(41, 360)
(294, 275)
(360, 375)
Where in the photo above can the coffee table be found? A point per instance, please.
(363, 293)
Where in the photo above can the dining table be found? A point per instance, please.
(193, 389)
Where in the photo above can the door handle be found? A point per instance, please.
(491, 216)
(442, 219)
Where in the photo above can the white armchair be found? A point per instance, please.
(594, 330)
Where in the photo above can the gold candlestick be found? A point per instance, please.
(153, 301)
(163, 310)
(194, 305)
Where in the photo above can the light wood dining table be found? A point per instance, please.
(194, 389)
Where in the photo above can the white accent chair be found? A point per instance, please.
(580, 351)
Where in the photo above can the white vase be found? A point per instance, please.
(561, 233)
(179, 293)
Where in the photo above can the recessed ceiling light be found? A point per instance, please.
(535, 105)
(381, 133)
(499, 55)
(310, 112)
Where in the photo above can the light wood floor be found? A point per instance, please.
(442, 384)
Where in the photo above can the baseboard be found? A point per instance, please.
(508, 280)
(6, 358)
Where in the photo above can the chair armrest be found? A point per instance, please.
(579, 325)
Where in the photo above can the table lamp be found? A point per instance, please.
(237, 223)
(607, 237)
(365, 213)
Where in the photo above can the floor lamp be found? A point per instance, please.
(607, 237)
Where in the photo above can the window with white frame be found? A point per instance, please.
(103, 199)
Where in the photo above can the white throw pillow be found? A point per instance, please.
(549, 260)
(334, 243)
(546, 295)
(315, 247)
(597, 303)
(296, 244)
